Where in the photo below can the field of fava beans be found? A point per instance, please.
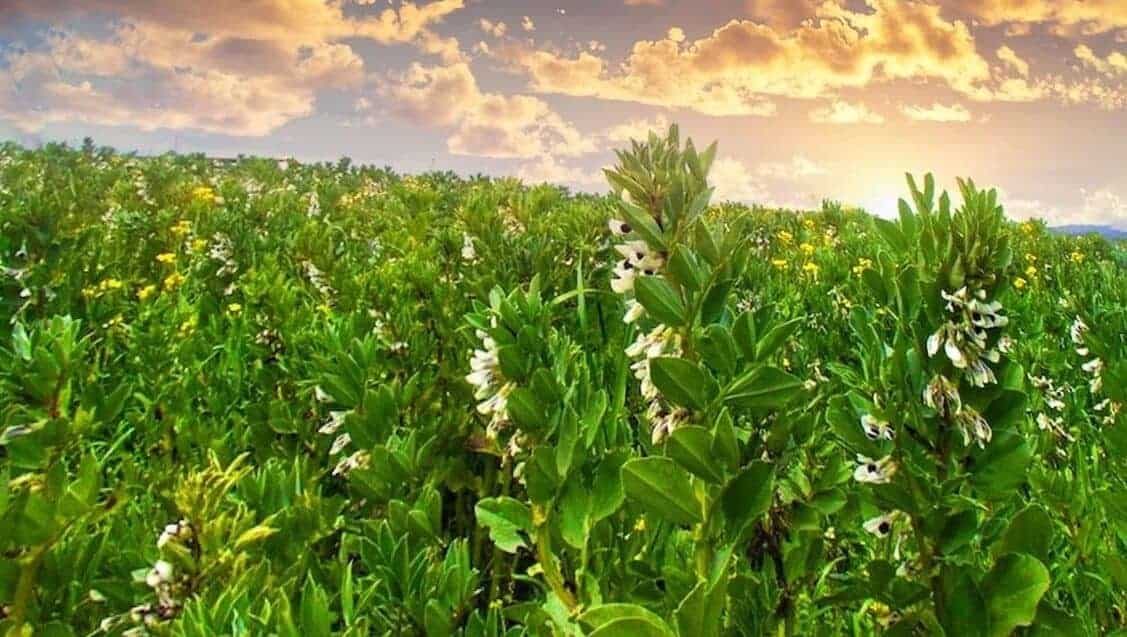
(258, 398)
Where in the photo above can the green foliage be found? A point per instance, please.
(244, 398)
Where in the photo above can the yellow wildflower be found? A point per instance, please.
(810, 268)
(235, 308)
(166, 258)
(198, 244)
(779, 263)
(110, 284)
(89, 292)
(640, 525)
(786, 237)
(1077, 256)
(862, 265)
(187, 327)
(173, 281)
(1019, 283)
(204, 194)
(809, 223)
(182, 227)
(1031, 271)
(807, 249)
(1028, 227)
(1032, 258)
(145, 292)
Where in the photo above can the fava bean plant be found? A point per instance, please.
(252, 397)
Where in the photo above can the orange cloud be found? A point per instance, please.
(740, 66)
(1084, 17)
(937, 113)
(839, 112)
(481, 124)
(167, 64)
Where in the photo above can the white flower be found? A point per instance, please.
(624, 275)
(871, 471)
(336, 419)
(468, 252)
(160, 573)
(973, 426)
(357, 460)
(634, 311)
(942, 395)
(619, 228)
(876, 429)
(340, 443)
(664, 420)
(881, 526)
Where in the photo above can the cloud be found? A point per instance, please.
(644, 3)
(1013, 61)
(496, 29)
(732, 180)
(1103, 207)
(839, 112)
(799, 167)
(1115, 64)
(937, 113)
(1065, 17)
(742, 65)
(164, 64)
(548, 169)
(782, 14)
(481, 124)
(638, 129)
(527, 24)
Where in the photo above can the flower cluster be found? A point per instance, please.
(1094, 367)
(965, 337)
(490, 385)
(223, 251)
(317, 278)
(637, 259)
(660, 341)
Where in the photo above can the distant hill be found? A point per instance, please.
(1106, 232)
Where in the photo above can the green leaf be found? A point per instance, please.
(1030, 532)
(632, 627)
(683, 382)
(775, 337)
(685, 267)
(662, 488)
(525, 409)
(660, 300)
(963, 607)
(604, 614)
(701, 611)
(691, 447)
(1013, 589)
(1000, 468)
(763, 388)
(748, 495)
(643, 225)
(315, 618)
(505, 518)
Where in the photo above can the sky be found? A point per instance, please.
(809, 99)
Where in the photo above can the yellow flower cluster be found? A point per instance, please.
(785, 237)
(146, 292)
(204, 194)
(809, 223)
(1019, 283)
(198, 244)
(107, 285)
(862, 264)
(182, 228)
(187, 327)
(807, 249)
(1077, 256)
(173, 281)
(166, 258)
(779, 263)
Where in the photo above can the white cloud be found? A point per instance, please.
(937, 113)
(840, 112)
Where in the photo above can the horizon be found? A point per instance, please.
(808, 100)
